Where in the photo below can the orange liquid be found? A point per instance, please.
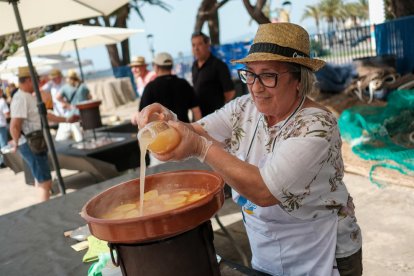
(165, 141)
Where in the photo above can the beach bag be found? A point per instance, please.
(36, 142)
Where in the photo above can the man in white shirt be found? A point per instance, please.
(54, 87)
(25, 119)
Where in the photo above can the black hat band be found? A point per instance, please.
(271, 48)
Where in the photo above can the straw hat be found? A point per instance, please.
(24, 72)
(163, 59)
(285, 42)
(137, 61)
(73, 75)
(55, 73)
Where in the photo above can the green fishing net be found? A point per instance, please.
(384, 134)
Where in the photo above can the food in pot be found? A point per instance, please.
(155, 202)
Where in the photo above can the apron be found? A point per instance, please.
(282, 244)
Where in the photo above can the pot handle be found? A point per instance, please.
(113, 247)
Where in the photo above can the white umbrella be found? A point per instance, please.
(36, 13)
(74, 37)
(11, 64)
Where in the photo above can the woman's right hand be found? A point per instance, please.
(151, 113)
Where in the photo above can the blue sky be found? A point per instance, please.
(172, 30)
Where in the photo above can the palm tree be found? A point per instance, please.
(314, 13)
(331, 11)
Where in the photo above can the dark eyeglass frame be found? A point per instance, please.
(258, 76)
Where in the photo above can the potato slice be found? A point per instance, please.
(150, 195)
(163, 197)
(125, 207)
(176, 200)
(132, 213)
(183, 193)
(195, 197)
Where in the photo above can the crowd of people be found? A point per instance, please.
(21, 109)
(279, 150)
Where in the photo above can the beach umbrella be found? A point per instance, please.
(74, 37)
(36, 13)
(11, 64)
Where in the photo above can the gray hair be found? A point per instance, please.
(307, 78)
(308, 82)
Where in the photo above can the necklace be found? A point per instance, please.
(283, 125)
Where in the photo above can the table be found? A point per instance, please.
(103, 163)
(112, 92)
(32, 238)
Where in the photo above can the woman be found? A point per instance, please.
(281, 153)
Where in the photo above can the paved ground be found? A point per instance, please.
(384, 214)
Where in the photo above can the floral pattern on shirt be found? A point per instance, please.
(321, 193)
(322, 125)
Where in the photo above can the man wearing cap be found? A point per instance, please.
(53, 86)
(280, 151)
(141, 74)
(72, 93)
(211, 77)
(25, 119)
(170, 91)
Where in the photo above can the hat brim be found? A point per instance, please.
(313, 64)
(136, 64)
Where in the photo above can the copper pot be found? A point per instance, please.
(160, 225)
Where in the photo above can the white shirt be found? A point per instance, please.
(301, 164)
(54, 89)
(4, 108)
(24, 106)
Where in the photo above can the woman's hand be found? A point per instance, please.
(191, 145)
(151, 113)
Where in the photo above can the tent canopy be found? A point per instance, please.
(37, 13)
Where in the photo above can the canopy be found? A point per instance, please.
(86, 36)
(37, 13)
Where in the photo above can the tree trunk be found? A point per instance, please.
(208, 12)
(400, 8)
(255, 11)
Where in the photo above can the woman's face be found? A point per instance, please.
(276, 101)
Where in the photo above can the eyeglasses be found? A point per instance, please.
(266, 79)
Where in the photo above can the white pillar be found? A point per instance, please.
(376, 11)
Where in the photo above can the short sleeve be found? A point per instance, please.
(18, 107)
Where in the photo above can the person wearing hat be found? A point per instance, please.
(25, 119)
(211, 77)
(72, 93)
(171, 91)
(141, 73)
(281, 153)
(54, 86)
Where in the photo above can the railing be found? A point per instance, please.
(343, 46)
